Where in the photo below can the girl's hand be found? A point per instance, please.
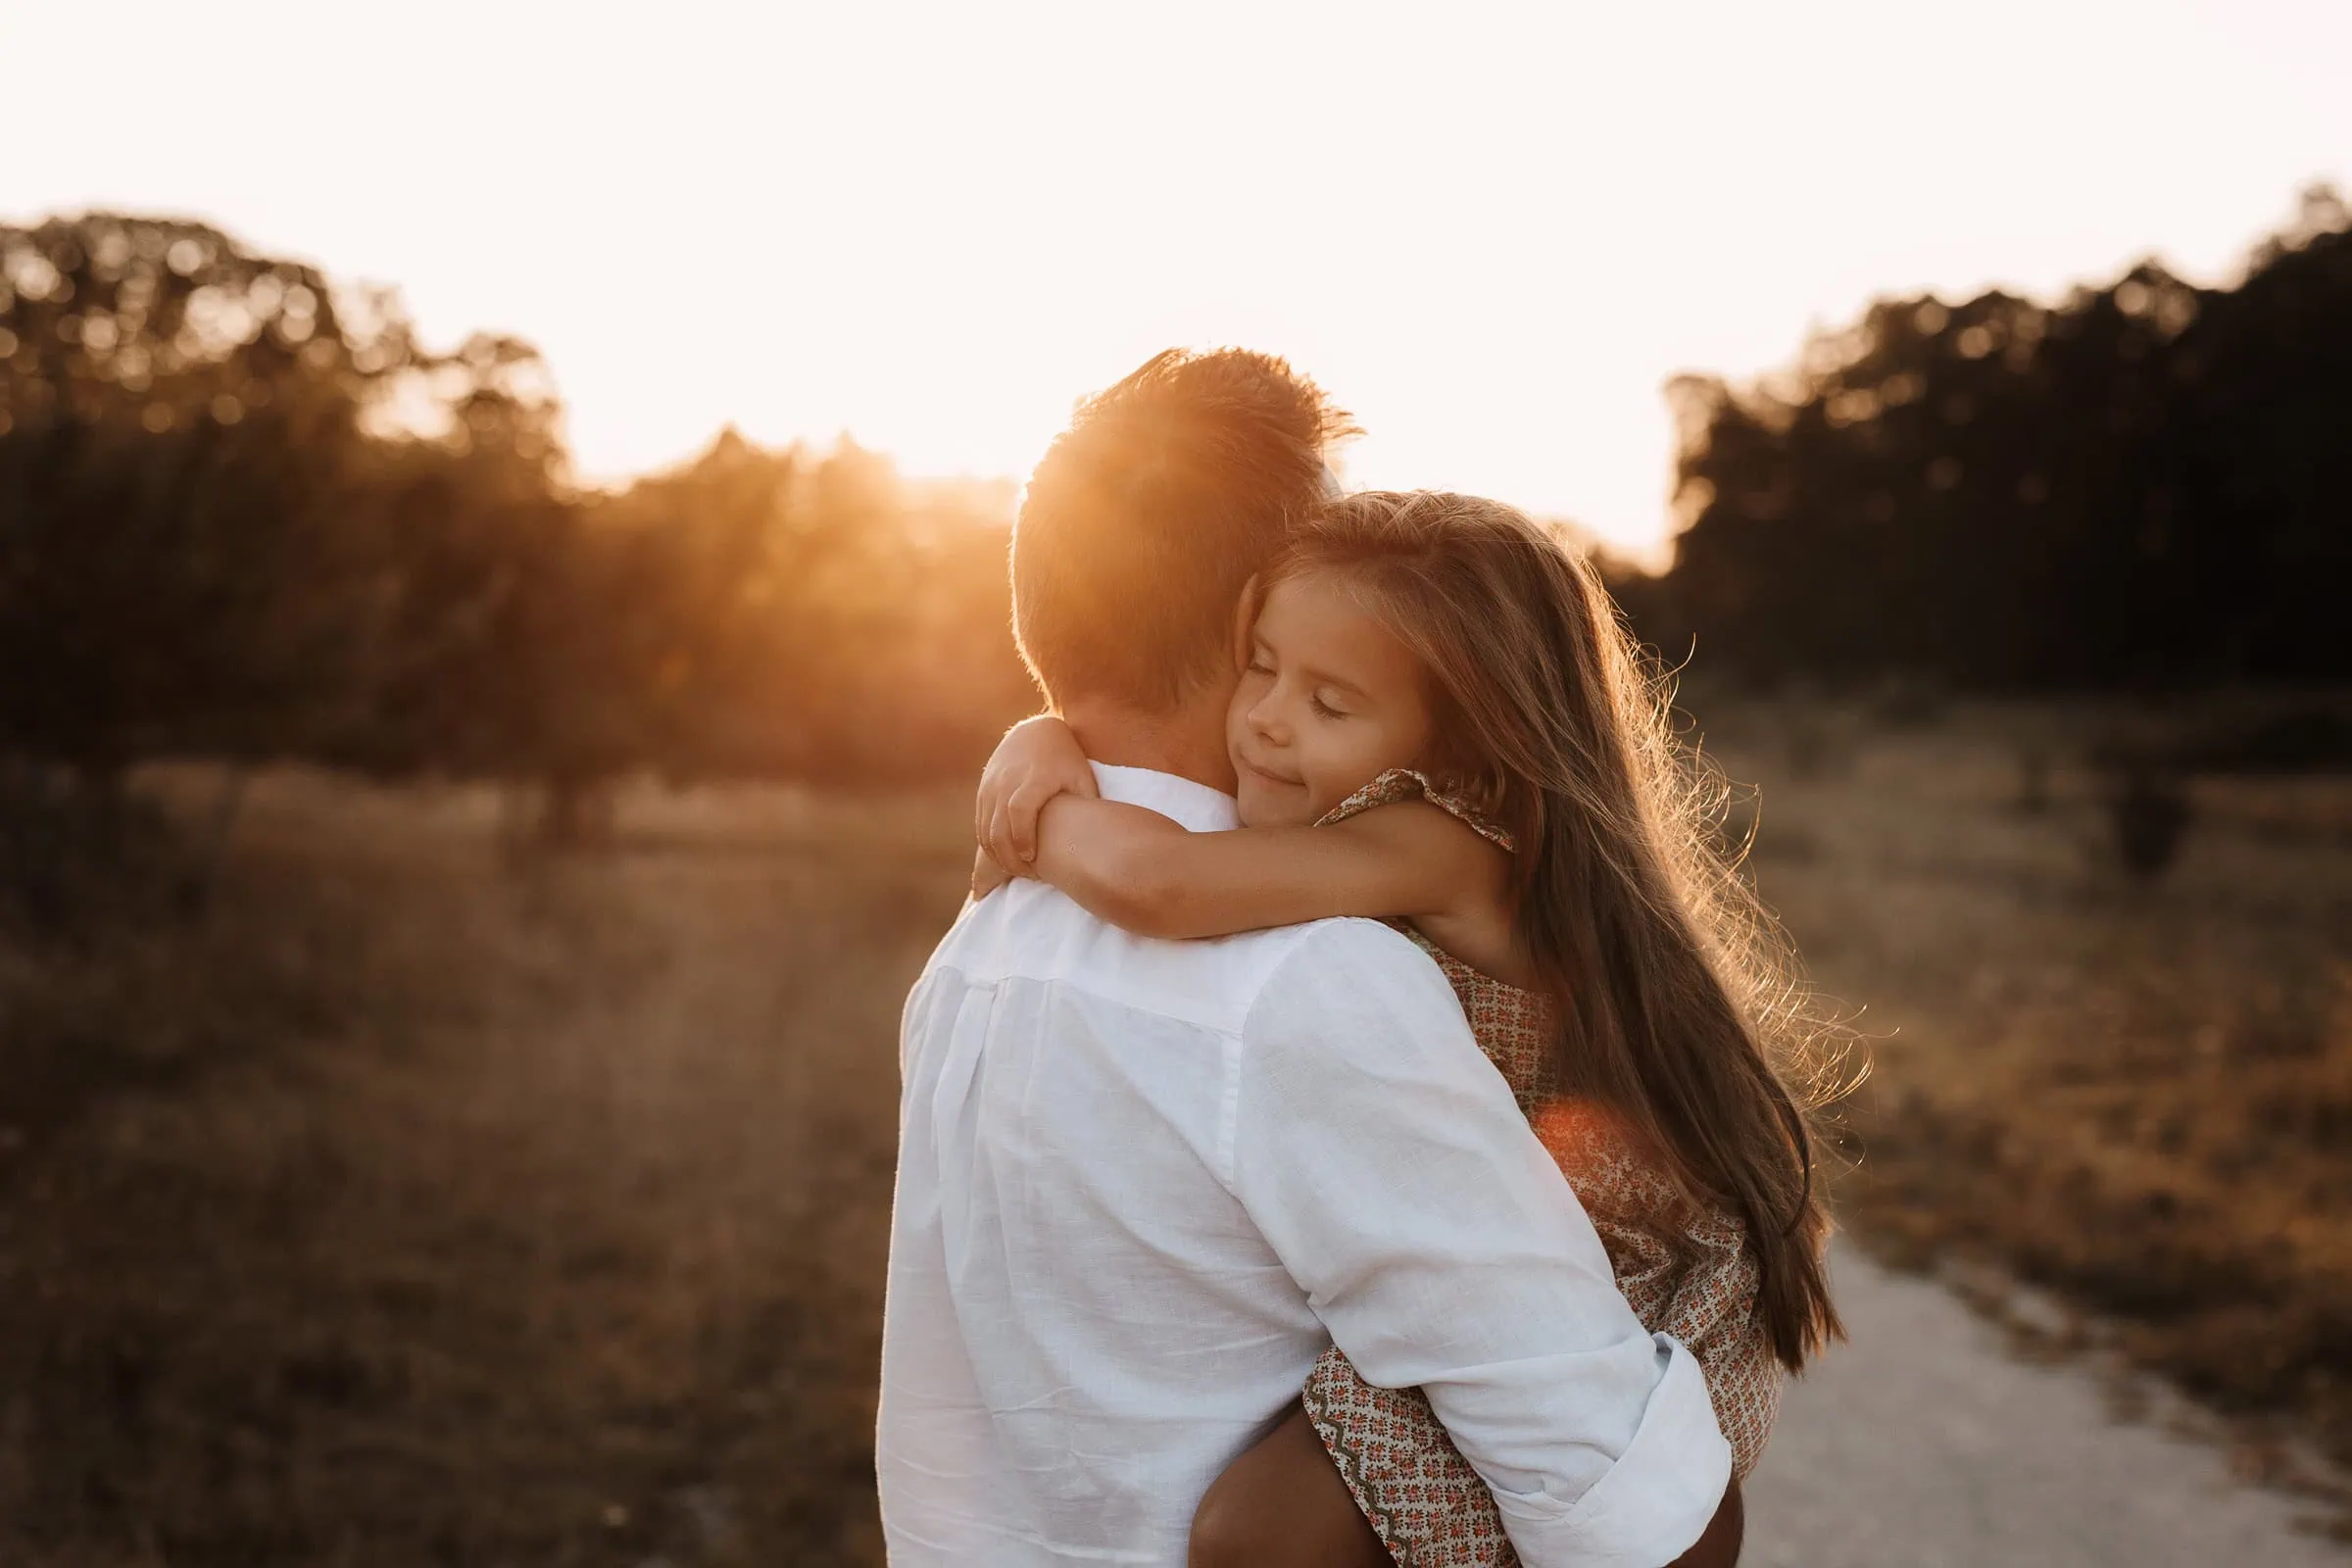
(1037, 760)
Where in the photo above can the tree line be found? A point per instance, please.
(247, 515)
(2143, 487)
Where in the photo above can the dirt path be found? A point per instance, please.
(1924, 1442)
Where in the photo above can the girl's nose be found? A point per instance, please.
(1265, 722)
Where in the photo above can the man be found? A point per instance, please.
(1142, 1185)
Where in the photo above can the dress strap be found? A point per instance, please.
(1405, 784)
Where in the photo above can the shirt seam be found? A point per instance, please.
(1228, 1113)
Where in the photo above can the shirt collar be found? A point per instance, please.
(1192, 806)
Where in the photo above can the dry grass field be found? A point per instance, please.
(417, 1208)
(418, 1205)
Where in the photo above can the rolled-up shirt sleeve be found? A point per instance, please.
(1382, 1158)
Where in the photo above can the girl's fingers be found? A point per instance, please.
(985, 801)
(1022, 812)
(999, 841)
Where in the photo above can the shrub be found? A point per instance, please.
(2148, 814)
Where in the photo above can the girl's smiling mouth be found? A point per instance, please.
(1267, 775)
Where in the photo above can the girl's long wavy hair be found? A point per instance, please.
(1675, 994)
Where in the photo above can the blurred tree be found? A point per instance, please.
(2137, 487)
(177, 417)
(816, 617)
(244, 515)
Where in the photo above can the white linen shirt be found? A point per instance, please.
(1143, 1184)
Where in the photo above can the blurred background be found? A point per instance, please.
(502, 603)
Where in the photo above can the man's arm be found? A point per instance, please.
(1382, 1158)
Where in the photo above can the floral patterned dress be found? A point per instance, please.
(1686, 1271)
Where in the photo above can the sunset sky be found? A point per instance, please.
(1491, 232)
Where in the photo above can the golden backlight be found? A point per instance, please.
(1493, 236)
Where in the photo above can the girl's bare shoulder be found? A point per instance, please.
(1463, 877)
(1433, 839)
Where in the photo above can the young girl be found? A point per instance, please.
(1441, 722)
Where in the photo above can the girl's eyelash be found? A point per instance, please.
(1325, 708)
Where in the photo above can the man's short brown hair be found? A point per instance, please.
(1149, 514)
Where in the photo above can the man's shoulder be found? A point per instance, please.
(1366, 963)
(1350, 940)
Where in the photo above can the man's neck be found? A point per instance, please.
(1188, 741)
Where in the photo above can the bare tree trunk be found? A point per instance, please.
(576, 812)
(197, 887)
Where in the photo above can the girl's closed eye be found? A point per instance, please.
(1324, 708)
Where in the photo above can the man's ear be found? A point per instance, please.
(1245, 616)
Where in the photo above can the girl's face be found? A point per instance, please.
(1328, 701)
